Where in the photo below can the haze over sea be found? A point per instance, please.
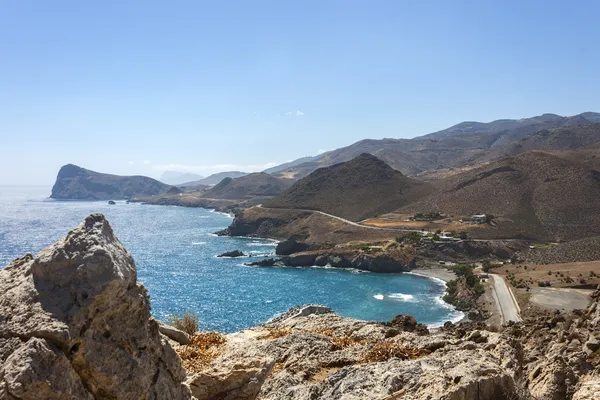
(175, 252)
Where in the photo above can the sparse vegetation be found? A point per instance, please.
(187, 322)
(203, 348)
(385, 350)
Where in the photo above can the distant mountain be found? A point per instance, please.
(214, 178)
(288, 165)
(78, 183)
(540, 195)
(177, 178)
(569, 137)
(461, 145)
(357, 189)
(258, 184)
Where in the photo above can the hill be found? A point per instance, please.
(461, 145)
(360, 188)
(537, 195)
(177, 178)
(287, 165)
(214, 178)
(257, 184)
(76, 183)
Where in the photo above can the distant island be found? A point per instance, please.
(76, 183)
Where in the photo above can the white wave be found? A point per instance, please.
(439, 281)
(198, 243)
(378, 296)
(401, 296)
(262, 244)
(268, 301)
(212, 234)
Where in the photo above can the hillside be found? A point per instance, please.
(536, 195)
(360, 188)
(214, 178)
(76, 183)
(257, 184)
(464, 144)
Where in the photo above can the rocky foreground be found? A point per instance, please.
(75, 324)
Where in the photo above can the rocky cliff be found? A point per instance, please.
(76, 183)
(74, 324)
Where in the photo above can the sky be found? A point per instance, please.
(140, 87)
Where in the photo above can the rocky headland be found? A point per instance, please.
(75, 324)
(76, 183)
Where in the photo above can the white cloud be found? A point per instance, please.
(288, 114)
(131, 163)
(147, 162)
(212, 169)
(299, 113)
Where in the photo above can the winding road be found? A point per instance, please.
(505, 300)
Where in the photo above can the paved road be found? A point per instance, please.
(505, 300)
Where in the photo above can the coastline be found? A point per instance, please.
(437, 273)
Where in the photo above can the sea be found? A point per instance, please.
(175, 251)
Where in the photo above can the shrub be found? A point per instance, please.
(463, 235)
(187, 323)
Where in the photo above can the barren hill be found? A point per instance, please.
(360, 188)
(461, 145)
(76, 183)
(536, 194)
(258, 184)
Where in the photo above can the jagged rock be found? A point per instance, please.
(299, 260)
(317, 354)
(232, 254)
(267, 262)
(290, 246)
(112, 203)
(76, 325)
(173, 333)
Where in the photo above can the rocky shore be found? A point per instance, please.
(75, 324)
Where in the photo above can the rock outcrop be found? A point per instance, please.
(74, 324)
(312, 353)
(232, 254)
(76, 183)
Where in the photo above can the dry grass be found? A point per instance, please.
(187, 323)
(340, 341)
(384, 350)
(202, 349)
(275, 333)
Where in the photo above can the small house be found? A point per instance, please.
(479, 219)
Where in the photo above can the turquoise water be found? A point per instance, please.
(175, 253)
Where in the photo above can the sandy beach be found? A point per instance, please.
(439, 273)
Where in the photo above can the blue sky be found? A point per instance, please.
(136, 87)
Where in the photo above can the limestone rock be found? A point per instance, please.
(173, 333)
(76, 325)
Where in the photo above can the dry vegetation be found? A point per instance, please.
(384, 350)
(202, 349)
(275, 333)
(564, 275)
(187, 322)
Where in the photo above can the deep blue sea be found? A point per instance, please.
(175, 252)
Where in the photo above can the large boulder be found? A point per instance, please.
(74, 324)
